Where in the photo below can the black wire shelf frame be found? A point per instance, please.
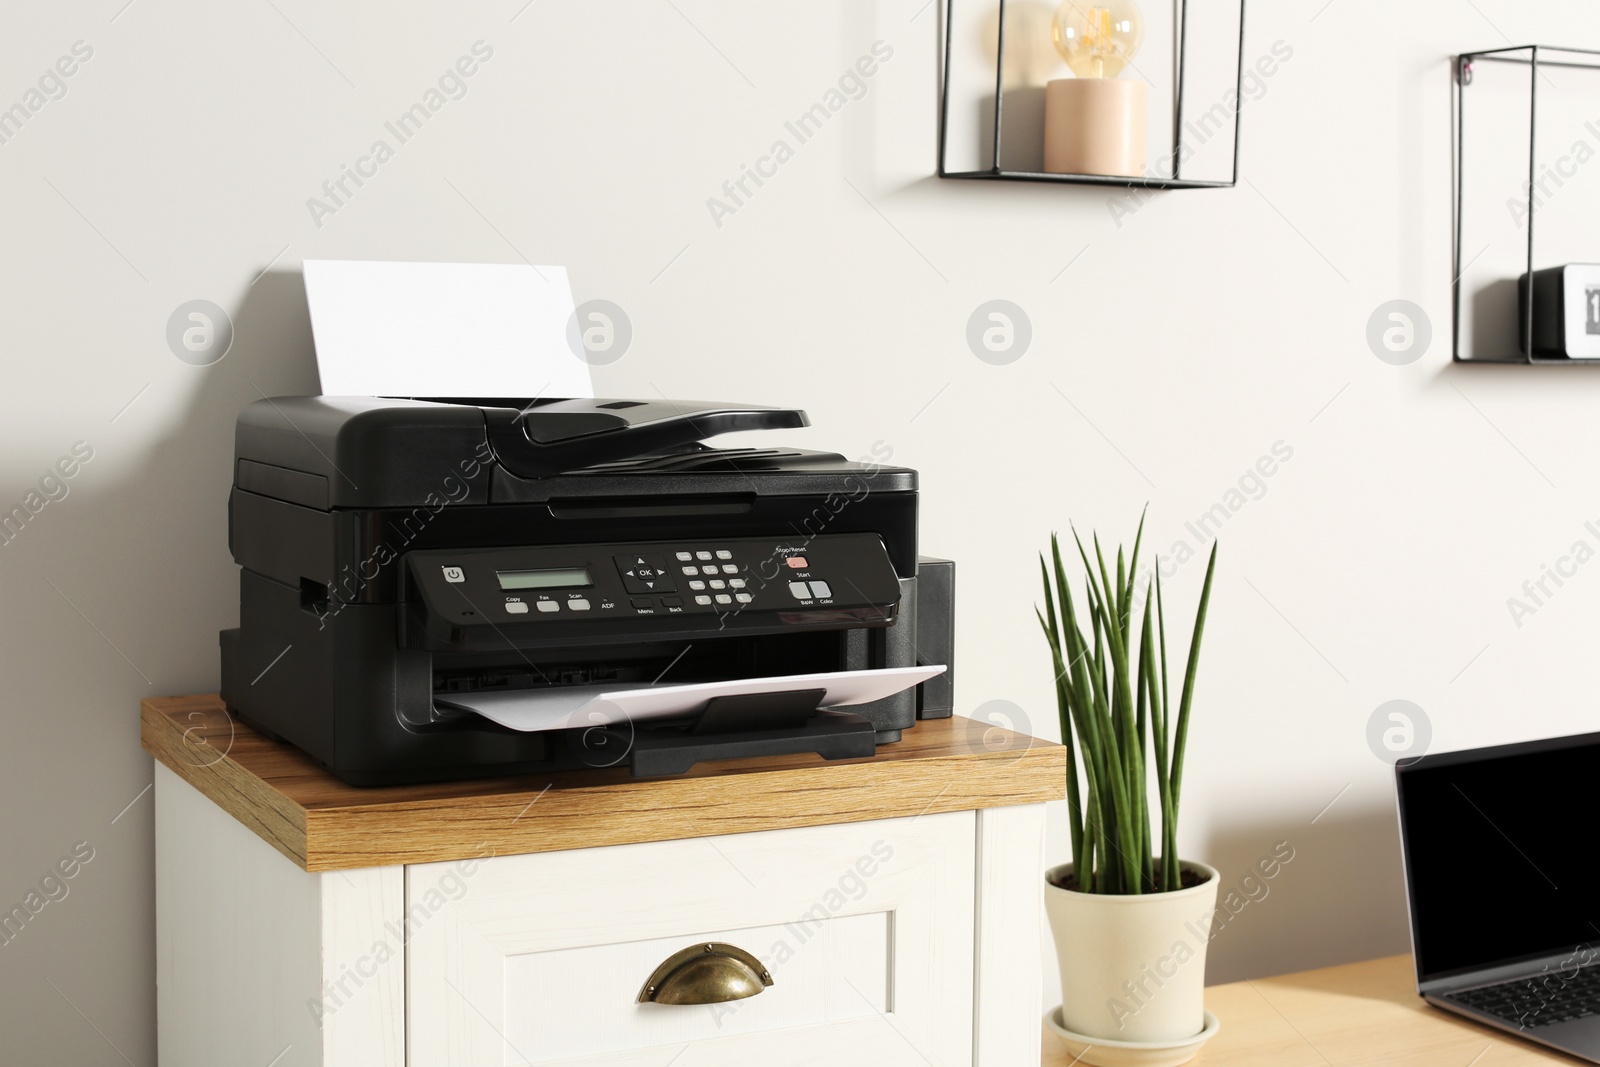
(1462, 80)
(1174, 181)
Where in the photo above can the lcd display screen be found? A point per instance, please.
(547, 578)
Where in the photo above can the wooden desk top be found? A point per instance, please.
(323, 824)
(1365, 1014)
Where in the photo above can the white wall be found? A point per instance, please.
(1175, 351)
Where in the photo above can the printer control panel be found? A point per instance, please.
(840, 576)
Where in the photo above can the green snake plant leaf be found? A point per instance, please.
(1118, 722)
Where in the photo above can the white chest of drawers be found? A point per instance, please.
(893, 904)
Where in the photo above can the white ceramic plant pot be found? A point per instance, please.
(1133, 968)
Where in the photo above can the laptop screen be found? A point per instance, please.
(1500, 852)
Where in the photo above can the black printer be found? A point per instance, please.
(400, 557)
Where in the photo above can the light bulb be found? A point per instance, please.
(1097, 38)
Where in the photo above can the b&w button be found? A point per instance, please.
(800, 590)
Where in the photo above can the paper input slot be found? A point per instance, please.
(443, 329)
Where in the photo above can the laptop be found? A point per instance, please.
(1503, 880)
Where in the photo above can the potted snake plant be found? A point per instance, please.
(1130, 919)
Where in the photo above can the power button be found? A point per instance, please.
(453, 575)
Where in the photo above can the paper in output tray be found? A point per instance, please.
(570, 707)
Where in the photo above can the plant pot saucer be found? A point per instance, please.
(1103, 1052)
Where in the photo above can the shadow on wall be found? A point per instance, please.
(1496, 321)
(1338, 895)
(170, 498)
(273, 335)
(130, 615)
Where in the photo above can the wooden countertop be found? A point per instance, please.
(323, 824)
(1358, 1015)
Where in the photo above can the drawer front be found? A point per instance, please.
(865, 928)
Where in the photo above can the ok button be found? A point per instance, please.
(643, 575)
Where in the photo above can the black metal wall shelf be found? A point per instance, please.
(1173, 181)
(1089, 179)
(1533, 56)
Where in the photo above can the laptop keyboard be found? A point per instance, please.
(1530, 1003)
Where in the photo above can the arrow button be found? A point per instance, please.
(643, 574)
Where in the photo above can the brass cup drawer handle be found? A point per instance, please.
(707, 973)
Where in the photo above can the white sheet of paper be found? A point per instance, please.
(570, 707)
(443, 329)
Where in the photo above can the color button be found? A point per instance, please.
(820, 589)
(516, 607)
(798, 563)
(801, 590)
